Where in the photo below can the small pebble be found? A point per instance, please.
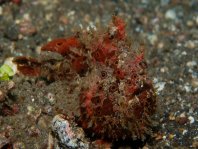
(190, 44)
(19, 145)
(171, 117)
(69, 135)
(152, 39)
(30, 110)
(191, 64)
(182, 120)
(27, 28)
(187, 88)
(164, 137)
(191, 119)
(184, 53)
(160, 45)
(164, 69)
(1, 10)
(160, 86)
(51, 98)
(184, 132)
(170, 14)
(190, 23)
(171, 136)
(2, 96)
(11, 85)
(194, 82)
(183, 114)
(33, 131)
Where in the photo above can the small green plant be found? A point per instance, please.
(6, 72)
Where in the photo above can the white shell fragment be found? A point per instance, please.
(12, 65)
(191, 119)
(69, 135)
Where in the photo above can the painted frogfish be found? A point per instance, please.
(116, 97)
